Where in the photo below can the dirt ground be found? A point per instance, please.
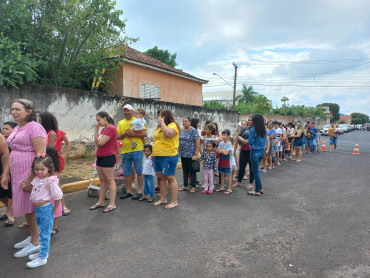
(77, 169)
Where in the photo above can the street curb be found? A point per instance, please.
(79, 185)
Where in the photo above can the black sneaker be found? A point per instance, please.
(125, 196)
(137, 196)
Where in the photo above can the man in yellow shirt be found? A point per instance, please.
(333, 137)
(131, 155)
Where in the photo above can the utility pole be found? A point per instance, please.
(234, 94)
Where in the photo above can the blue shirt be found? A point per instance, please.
(187, 142)
(269, 132)
(256, 142)
(314, 130)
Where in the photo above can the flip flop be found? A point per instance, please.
(150, 199)
(220, 190)
(94, 207)
(66, 212)
(3, 217)
(23, 225)
(193, 190)
(142, 199)
(253, 193)
(9, 223)
(171, 205)
(109, 209)
(158, 203)
(183, 189)
(227, 192)
(54, 232)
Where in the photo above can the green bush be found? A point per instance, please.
(16, 68)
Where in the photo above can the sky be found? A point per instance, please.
(309, 51)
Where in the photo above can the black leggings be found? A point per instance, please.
(244, 159)
(186, 170)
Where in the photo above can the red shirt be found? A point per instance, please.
(108, 148)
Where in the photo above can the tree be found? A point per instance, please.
(15, 68)
(248, 95)
(359, 118)
(215, 104)
(162, 55)
(334, 109)
(284, 99)
(67, 39)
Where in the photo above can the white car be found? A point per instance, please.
(324, 130)
(343, 128)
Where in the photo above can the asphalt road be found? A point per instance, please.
(312, 221)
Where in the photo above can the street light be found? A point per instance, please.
(234, 87)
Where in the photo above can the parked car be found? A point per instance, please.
(350, 127)
(324, 130)
(343, 128)
(358, 127)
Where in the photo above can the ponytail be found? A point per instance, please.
(103, 114)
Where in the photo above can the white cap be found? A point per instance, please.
(128, 106)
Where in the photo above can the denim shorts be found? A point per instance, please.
(298, 142)
(225, 171)
(277, 148)
(166, 164)
(133, 157)
(333, 141)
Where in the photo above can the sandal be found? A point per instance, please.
(9, 223)
(228, 192)
(254, 193)
(250, 186)
(160, 202)
(220, 190)
(109, 209)
(142, 199)
(66, 212)
(193, 190)
(23, 225)
(3, 217)
(96, 206)
(183, 188)
(54, 231)
(171, 205)
(150, 199)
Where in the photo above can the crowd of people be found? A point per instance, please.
(32, 160)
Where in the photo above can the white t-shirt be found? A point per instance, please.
(279, 133)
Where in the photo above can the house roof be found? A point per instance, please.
(137, 57)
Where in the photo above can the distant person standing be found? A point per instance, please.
(332, 131)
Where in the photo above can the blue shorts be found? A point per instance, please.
(128, 159)
(277, 148)
(225, 171)
(166, 164)
(333, 140)
(298, 142)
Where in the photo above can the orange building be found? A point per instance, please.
(142, 76)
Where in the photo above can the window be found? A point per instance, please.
(150, 91)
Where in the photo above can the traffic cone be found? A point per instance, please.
(356, 149)
(323, 147)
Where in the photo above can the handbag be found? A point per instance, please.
(195, 165)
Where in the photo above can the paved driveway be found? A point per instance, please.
(312, 221)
